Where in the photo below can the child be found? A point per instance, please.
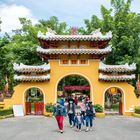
(83, 108)
(78, 120)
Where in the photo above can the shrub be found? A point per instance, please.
(49, 107)
(98, 108)
(5, 112)
(137, 109)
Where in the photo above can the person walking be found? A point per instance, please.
(87, 99)
(70, 98)
(90, 114)
(59, 113)
(82, 106)
(71, 112)
(76, 100)
(78, 120)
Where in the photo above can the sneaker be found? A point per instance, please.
(71, 126)
(79, 130)
(87, 129)
(91, 129)
(61, 131)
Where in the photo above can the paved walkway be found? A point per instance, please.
(42, 128)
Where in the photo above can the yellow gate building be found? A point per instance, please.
(81, 55)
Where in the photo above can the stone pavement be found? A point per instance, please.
(42, 128)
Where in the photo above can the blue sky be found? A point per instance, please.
(71, 11)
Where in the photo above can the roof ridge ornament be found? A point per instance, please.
(50, 32)
(40, 34)
(97, 33)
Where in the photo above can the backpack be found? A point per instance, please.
(59, 111)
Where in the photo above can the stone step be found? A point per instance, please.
(111, 113)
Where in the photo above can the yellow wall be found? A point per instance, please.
(90, 72)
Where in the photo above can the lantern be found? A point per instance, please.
(112, 90)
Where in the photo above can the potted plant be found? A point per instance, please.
(137, 111)
(49, 107)
(99, 111)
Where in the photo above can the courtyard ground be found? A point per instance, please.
(42, 128)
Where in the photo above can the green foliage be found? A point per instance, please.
(54, 24)
(49, 107)
(91, 25)
(137, 109)
(115, 106)
(6, 71)
(4, 112)
(98, 108)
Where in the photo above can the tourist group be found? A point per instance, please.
(79, 114)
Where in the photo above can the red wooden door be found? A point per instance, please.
(28, 108)
(120, 107)
(38, 108)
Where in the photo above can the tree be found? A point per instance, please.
(5, 58)
(126, 32)
(54, 24)
(91, 25)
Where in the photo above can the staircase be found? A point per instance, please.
(112, 113)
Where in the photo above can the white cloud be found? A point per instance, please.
(10, 14)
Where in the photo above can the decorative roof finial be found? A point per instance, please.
(97, 33)
(50, 31)
(73, 31)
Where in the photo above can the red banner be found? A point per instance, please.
(76, 87)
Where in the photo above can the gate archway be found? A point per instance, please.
(114, 100)
(83, 88)
(34, 101)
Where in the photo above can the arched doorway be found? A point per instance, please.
(113, 101)
(34, 101)
(74, 85)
